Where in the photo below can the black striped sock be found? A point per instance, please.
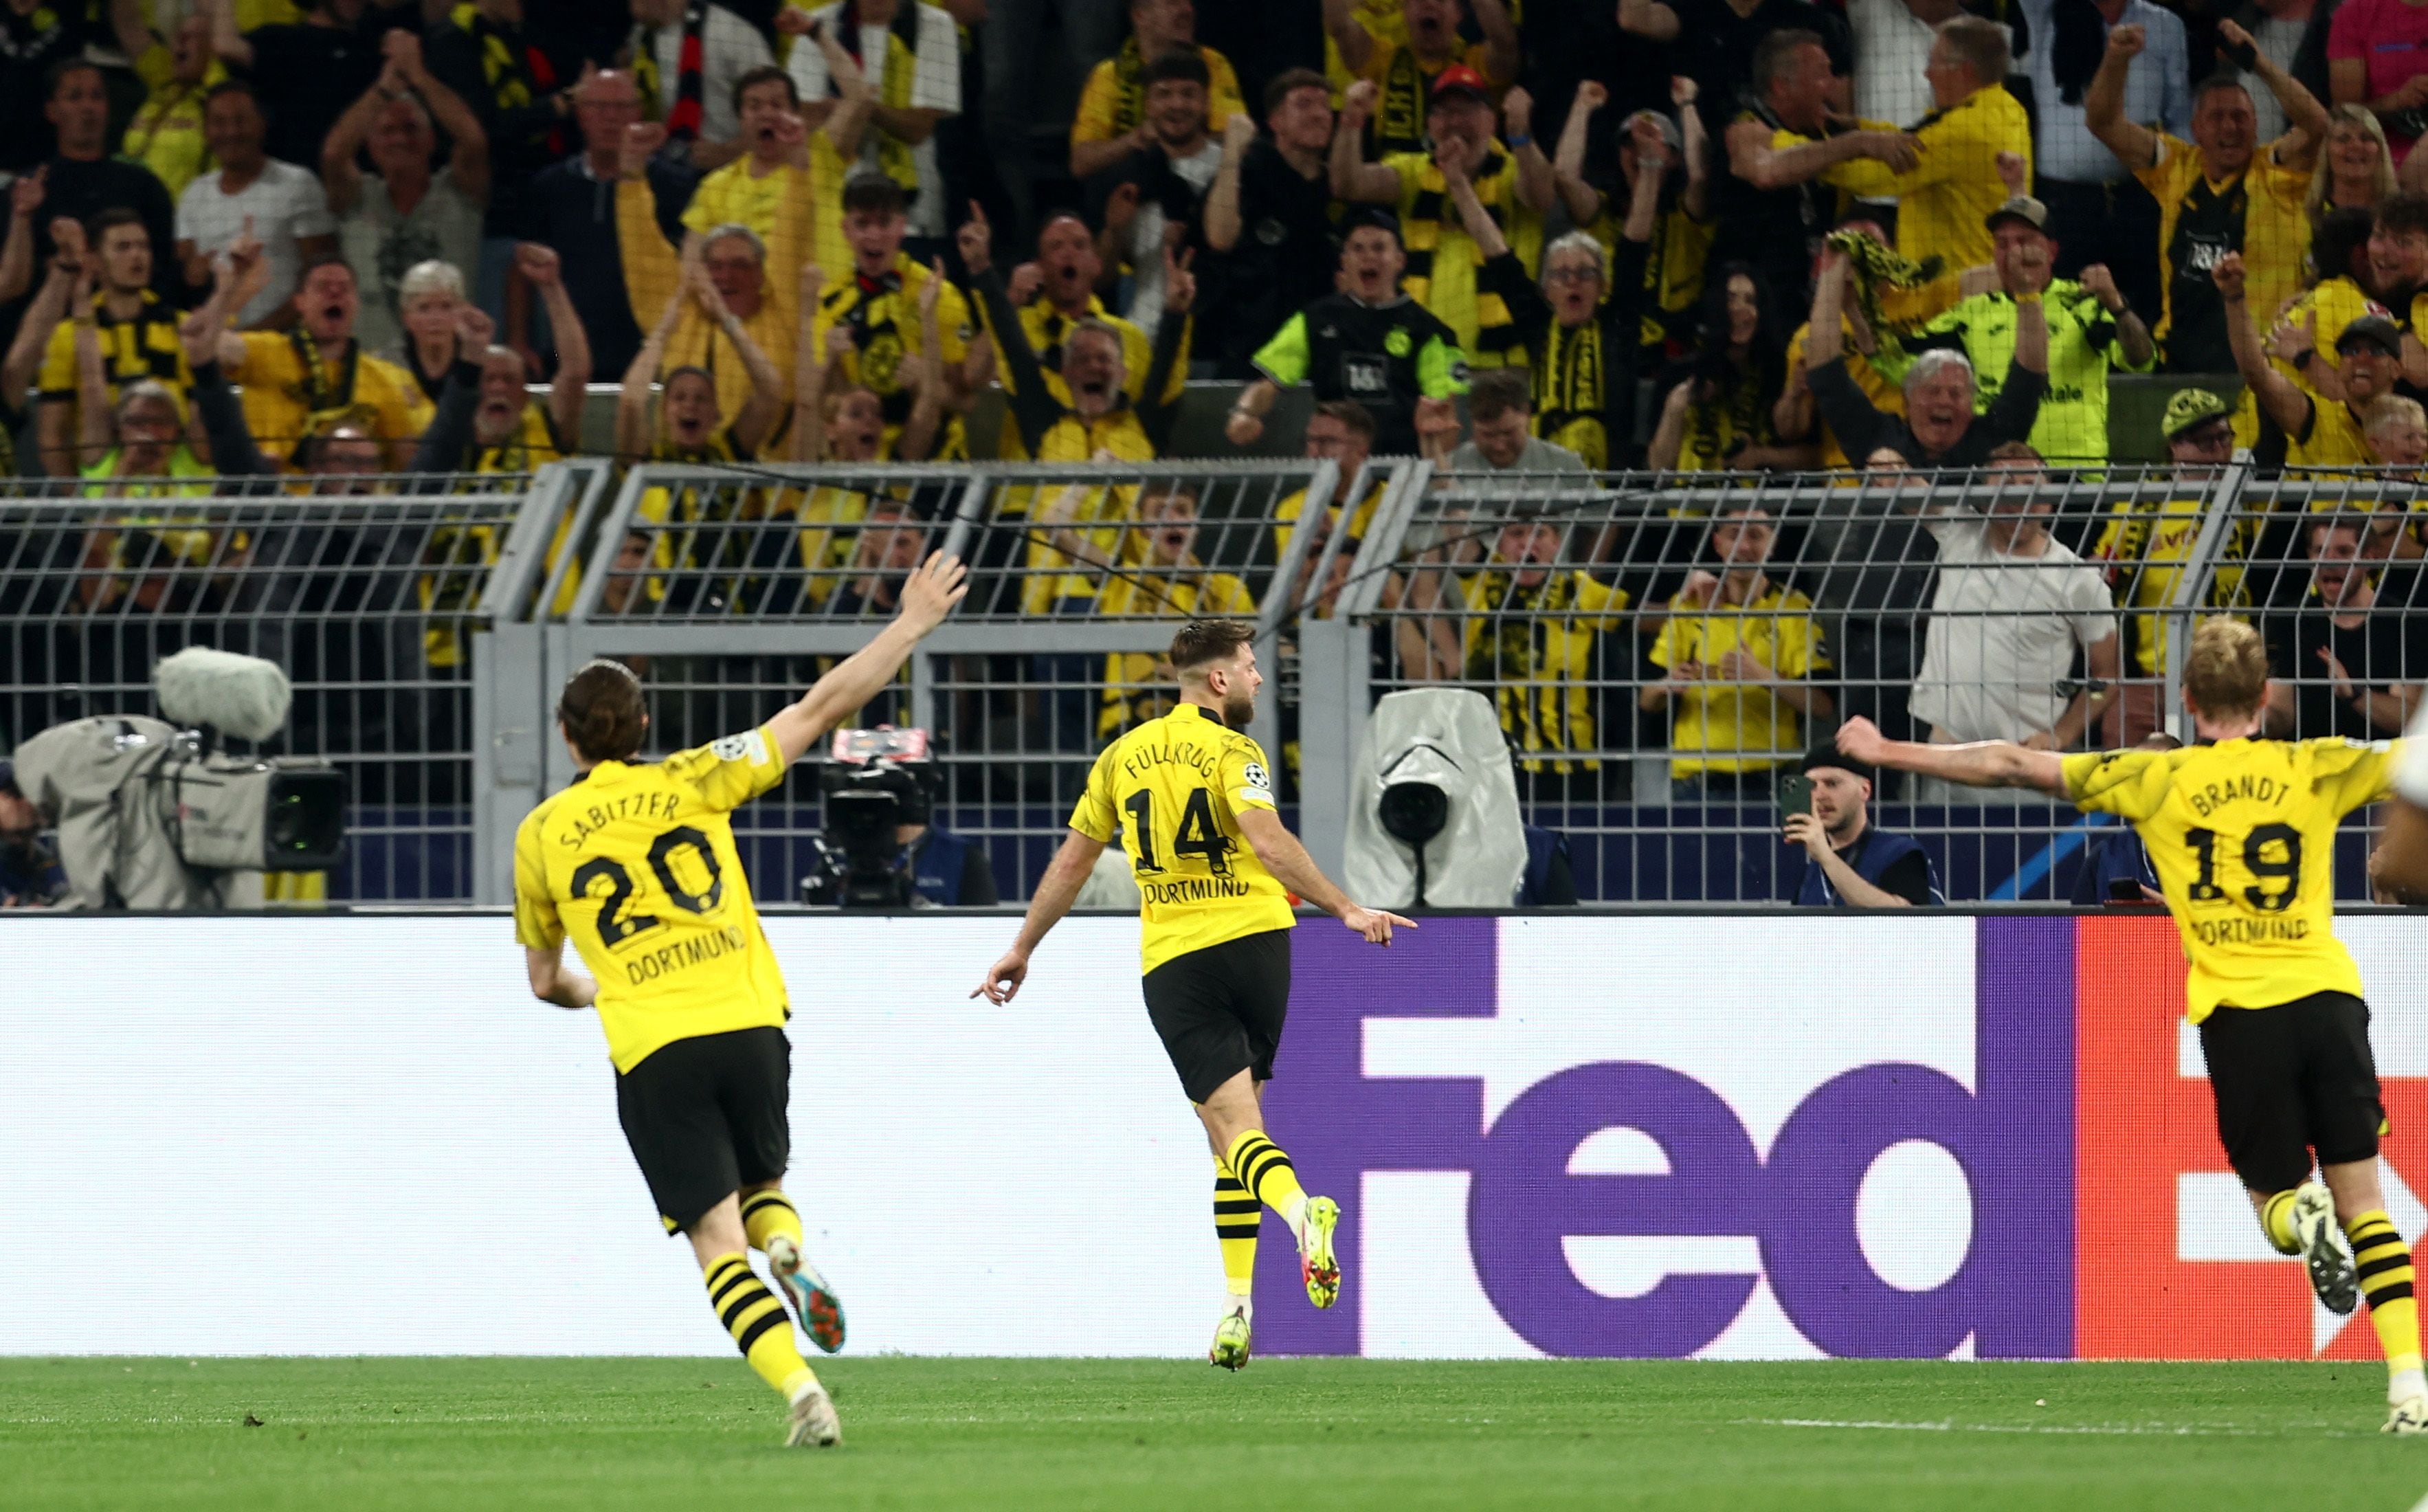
(1264, 1169)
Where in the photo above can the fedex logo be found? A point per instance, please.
(1678, 1136)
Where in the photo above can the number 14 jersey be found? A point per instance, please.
(635, 864)
(1173, 787)
(2242, 837)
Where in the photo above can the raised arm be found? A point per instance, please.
(1352, 176)
(233, 452)
(809, 371)
(1503, 57)
(467, 161)
(1568, 163)
(1222, 200)
(1056, 892)
(97, 431)
(339, 179)
(2278, 395)
(927, 596)
(926, 419)
(1340, 23)
(765, 405)
(1159, 407)
(540, 265)
(1695, 148)
(444, 446)
(1979, 763)
(225, 39)
(1536, 187)
(2102, 105)
(34, 328)
(1033, 408)
(633, 402)
(2305, 118)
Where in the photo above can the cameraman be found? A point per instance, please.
(1848, 863)
(30, 873)
(946, 869)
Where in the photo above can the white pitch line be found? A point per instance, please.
(2097, 1430)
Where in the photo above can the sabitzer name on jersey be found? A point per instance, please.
(666, 960)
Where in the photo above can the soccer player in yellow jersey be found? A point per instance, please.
(635, 864)
(2241, 832)
(1193, 797)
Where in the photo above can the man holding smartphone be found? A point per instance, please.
(1849, 864)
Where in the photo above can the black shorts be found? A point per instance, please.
(2291, 1079)
(1219, 1010)
(706, 1117)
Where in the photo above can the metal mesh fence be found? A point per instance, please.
(1661, 650)
(369, 598)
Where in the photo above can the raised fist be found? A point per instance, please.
(2127, 42)
(1518, 112)
(1360, 102)
(536, 262)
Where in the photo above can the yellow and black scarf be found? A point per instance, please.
(326, 391)
(892, 79)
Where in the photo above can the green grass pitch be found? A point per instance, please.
(600, 1435)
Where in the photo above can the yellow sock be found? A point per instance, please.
(1237, 1219)
(756, 1321)
(768, 1214)
(2276, 1217)
(1263, 1169)
(2384, 1265)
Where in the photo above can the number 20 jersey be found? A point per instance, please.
(1173, 787)
(635, 864)
(2242, 835)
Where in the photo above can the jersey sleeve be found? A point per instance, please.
(1096, 814)
(1801, 652)
(1247, 782)
(1094, 121)
(1441, 368)
(58, 363)
(536, 925)
(2130, 784)
(1284, 359)
(2347, 774)
(730, 772)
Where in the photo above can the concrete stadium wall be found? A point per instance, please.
(1740, 1136)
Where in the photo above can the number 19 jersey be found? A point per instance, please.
(2242, 837)
(635, 864)
(1173, 787)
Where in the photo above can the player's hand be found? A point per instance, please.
(2127, 42)
(1861, 739)
(975, 239)
(940, 583)
(1806, 830)
(1004, 977)
(1374, 923)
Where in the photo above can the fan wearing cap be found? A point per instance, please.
(1675, 154)
(1944, 199)
(1848, 862)
(1407, 75)
(1367, 341)
(2218, 193)
(2148, 538)
(2318, 432)
(2091, 333)
(1442, 258)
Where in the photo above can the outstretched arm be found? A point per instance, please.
(1056, 892)
(1295, 869)
(926, 599)
(2102, 105)
(1977, 764)
(2278, 395)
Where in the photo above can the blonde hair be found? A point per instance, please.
(2387, 411)
(432, 278)
(2322, 184)
(2227, 673)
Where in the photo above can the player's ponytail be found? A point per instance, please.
(602, 712)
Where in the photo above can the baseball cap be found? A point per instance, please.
(1669, 135)
(2374, 330)
(1459, 79)
(2022, 208)
(1372, 215)
(2190, 407)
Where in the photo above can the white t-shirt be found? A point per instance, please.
(286, 203)
(1892, 46)
(2003, 629)
(2277, 40)
(935, 84)
(1146, 237)
(729, 48)
(381, 245)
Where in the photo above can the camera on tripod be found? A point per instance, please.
(873, 782)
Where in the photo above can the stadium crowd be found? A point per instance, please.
(333, 239)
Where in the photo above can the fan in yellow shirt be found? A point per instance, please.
(2241, 832)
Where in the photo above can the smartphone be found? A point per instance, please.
(1794, 796)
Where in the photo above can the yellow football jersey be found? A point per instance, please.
(1173, 788)
(2242, 835)
(635, 864)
